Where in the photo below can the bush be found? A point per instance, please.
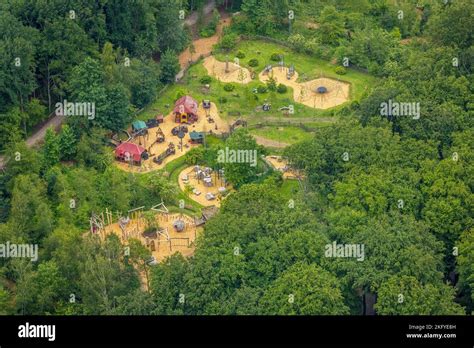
(205, 80)
(228, 41)
(310, 46)
(271, 84)
(229, 87)
(240, 55)
(223, 100)
(206, 32)
(275, 57)
(340, 70)
(282, 88)
(253, 62)
(297, 41)
(195, 155)
(262, 89)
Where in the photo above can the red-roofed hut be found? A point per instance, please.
(129, 151)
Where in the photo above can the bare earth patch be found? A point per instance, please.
(269, 142)
(203, 46)
(281, 164)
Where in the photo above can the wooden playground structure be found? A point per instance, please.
(163, 146)
(175, 232)
(206, 186)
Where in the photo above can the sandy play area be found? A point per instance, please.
(165, 243)
(281, 164)
(236, 73)
(305, 93)
(205, 194)
(202, 125)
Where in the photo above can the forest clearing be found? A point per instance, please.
(237, 158)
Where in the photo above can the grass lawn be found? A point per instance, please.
(307, 67)
(289, 135)
(289, 188)
(174, 168)
(241, 101)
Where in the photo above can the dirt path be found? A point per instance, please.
(54, 121)
(38, 136)
(295, 120)
(193, 18)
(269, 142)
(203, 46)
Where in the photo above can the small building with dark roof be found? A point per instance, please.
(196, 137)
(139, 126)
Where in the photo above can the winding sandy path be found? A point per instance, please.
(203, 46)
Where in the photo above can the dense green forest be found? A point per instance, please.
(400, 186)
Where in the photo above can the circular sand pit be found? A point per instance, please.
(235, 72)
(320, 93)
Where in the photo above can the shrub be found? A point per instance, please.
(229, 87)
(240, 55)
(205, 80)
(282, 88)
(195, 155)
(297, 41)
(262, 89)
(228, 41)
(340, 70)
(310, 46)
(206, 32)
(253, 62)
(271, 84)
(275, 57)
